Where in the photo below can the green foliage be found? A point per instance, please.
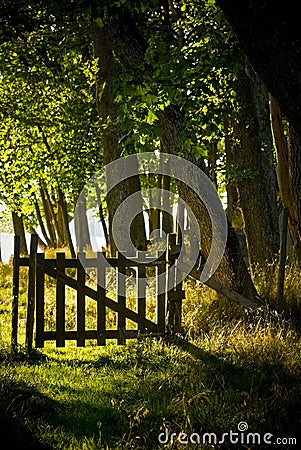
(49, 126)
(189, 62)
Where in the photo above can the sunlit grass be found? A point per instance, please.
(234, 365)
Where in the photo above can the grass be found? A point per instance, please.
(232, 366)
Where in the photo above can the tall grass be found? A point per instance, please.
(233, 366)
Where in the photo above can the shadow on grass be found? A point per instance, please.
(18, 402)
(192, 388)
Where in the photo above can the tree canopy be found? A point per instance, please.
(83, 83)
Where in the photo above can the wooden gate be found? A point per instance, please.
(168, 302)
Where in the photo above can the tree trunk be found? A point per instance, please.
(102, 218)
(107, 111)
(283, 171)
(154, 203)
(167, 218)
(60, 220)
(48, 218)
(232, 270)
(54, 218)
(271, 38)
(65, 224)
(270, 35)
(81, 228)
(41, 224)
(19, 231)
(295, 176)
(255, 177)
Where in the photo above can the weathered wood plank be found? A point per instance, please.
(40, 301)
(15, 303)
(141, 296)
(60, 301)
(101, 301)
(31, 292)
(161, 297)
(121, 298)
(80, 306)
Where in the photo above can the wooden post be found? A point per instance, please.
(161, 296)
(40, 301)
(282, 260)
(121, 296)
(101, 298)
(31, 291)
(141, 294)
(60, 300)
(80, 309)
(171, 278)
(180, 221)
(180, 295)
(15, 304)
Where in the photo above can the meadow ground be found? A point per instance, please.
(232, 367)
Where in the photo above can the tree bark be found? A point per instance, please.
(107, 111)
(154, 202)
(104, 224)
(270, 35)
(283, 170)
(63, 205)
(49, 220)
(232, 270)
(252, 159)
(295, 176)
(41, 224)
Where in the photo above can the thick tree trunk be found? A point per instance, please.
(107, 110)
(252, 158)
(167, 218)
(284, 170)
(295, 176)
(232, 270)
(154, 202)
(270, 34)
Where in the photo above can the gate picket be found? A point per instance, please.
(121, 296)
(101, 300)
(60, 301)
(80, 306)
(40, 304)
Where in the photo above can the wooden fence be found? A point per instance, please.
(168, 302)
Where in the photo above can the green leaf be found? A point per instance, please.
(151, 117)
